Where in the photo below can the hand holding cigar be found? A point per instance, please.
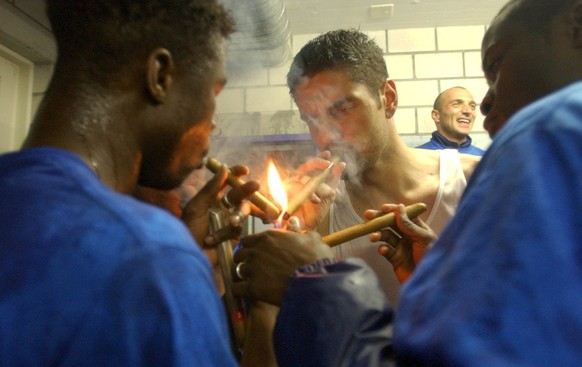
(376, 224)
(267, 207)
(307, 190)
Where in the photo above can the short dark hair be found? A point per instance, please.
(347, 50)
(103, 36)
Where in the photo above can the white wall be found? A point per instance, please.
(422, 61)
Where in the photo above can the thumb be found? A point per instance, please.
(207, 195)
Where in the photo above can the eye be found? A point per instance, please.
(341, 109)
(492, 69)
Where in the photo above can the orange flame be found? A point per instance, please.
(276, 188)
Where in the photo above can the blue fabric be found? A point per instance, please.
(503, 284)
(90, 277)
(334, 314)
(438, 141)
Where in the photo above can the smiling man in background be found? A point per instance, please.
(453, 113)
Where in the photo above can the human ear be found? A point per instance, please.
(435, 116)
(391, 97)
(159, 74)
(575, 19)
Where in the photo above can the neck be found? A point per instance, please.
(393, 169)
(86, 131)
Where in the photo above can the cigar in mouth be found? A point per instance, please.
(376, 224)
(306, 191)
(271, 211)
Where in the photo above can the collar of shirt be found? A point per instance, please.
(452, 144)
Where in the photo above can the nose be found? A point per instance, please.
(487, 102)
(467, 109)
(324, 133)
(321, 137)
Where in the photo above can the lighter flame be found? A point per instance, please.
(276, 188)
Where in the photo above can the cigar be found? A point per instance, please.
(271, 211)
(309, 188)
(376, 224)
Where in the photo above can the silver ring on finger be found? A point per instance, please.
(227, 202)
(237, 270)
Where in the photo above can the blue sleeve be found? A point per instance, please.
(161, 309)
(503, 284)
(334, 314)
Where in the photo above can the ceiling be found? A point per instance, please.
(304, 16)
(311, 16)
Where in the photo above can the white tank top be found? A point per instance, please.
(452, 183)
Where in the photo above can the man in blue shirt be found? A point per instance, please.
(89, 276)
(454, 115)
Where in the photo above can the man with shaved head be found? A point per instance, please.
(453, 113)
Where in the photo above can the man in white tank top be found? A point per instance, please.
(341, 87)
(452, 182)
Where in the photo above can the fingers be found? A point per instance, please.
(215, 184)
(212, 255)
(236, 205)
(240, 289)
(414, 228)
(294, 224)
(313, 164)
(228, 232)
(323, 192)
(206, 197)
(389, 208)
(335, 174)
(387, 252)
(236, 195)
(239, 170)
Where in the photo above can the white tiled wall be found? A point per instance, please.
(422, 61)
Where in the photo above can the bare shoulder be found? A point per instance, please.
(469, 162)
(426, 156)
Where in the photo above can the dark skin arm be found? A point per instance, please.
(270, 258)
(195, 212)
(406, 252)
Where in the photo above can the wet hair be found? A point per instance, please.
(536, 15)
(347, 50)
(101, 38)
(438, 100)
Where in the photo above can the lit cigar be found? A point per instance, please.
(271, 211)
(373, 225)
(309, 188)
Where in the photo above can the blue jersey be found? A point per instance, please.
(90, 277)
(438, 142)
